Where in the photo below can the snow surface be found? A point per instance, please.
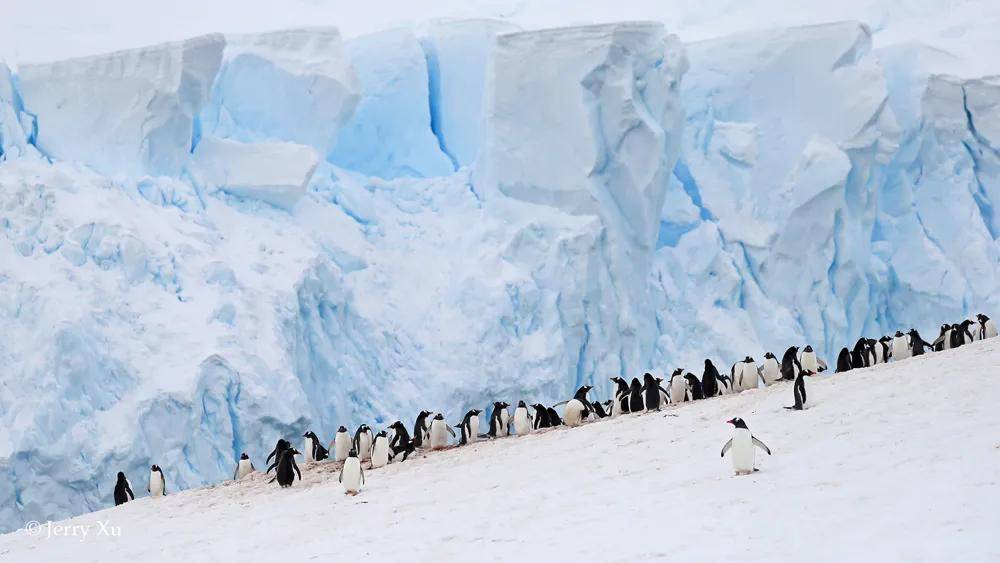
(896, 462)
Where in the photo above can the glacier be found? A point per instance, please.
(212, 243)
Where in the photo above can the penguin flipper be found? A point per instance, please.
(559, 404)
(273, 465)
(235, 471)
(725, 448)
(295, 466)
(760, 445)
(450, 430)
(340, 479)
(272, 480)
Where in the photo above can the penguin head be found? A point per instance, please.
(292, 451)
(737, 422)
(382, 434)
(352, 453)
(342, 429)
(619, 380)
(428, 413)
(748, 360)
(677, 371)
(282, 444)
(155, 468)
(635, 382)
(521, 405)
(899, 333)
(808, 348)
(476, 412)
(309, 435)
(439, 416)
(363, 428)
(647, 377)
(396, 425)
(121, 476)
(538, 406)
(708, 363)
(244, 456)
(769, 356)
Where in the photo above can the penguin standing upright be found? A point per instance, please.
(943, 341)
(962, 334)
(497, 427)
(362, 443)
(918, 344)
(285, 468)
(678, 387)
(635, 402)
(439, 432)
(281, 446)
(883, 349)
(470, 427)
(799, 391)
(694, 387)
(621, 405)
(749, 377)
(900, 347)
(578, 407)
(522, 419)
(243, 468)
(987, 328)
(809, 363)
(770, 370)
(420, 429)
(380, 450)
(742, 443)
(123, 490)
(844, 360)
(541, 416)
(710, 380)
(314, 448)
(157, 483)
(341, 444)
(554, 419)
(401, 442)
(790, 365)
(352, 477)
(651, 390)
(602, 410)
(505, 419)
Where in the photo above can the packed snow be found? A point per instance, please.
(894, 462)
(220, 229)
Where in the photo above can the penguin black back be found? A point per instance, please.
(621, 393)
(286, 469)
(319, 451)
(917, 343)
(419, 429)
(697, 392)
(859, 356)
(710, 380)
(401, 442)
(635, 396)
(554, 419)
(281, 446)
(496, 419)
(123, 492)
(541, 416)
(844, 360)
(790, 363)
(651, 392)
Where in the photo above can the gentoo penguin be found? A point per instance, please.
(651, 391)
(341, 444)
(505, 419)
(918, 344)
(844, 360)
(790, 365)
(621, 396)
(286, 468)
(522, 419)
(742, 444)
(749, 377)
(439, 432)
(635, 402)
(578, 407)
(770, 370)
(882, 349)
(694, 387)
(420, 429)
(602, 410)
(962, 334)
(900, 347)
(710, 380)
(351, 474)
(541, 416)
(123, 490)
(380, 450)
(809, 363)
(799, 391)
(554, 419)
(281, 446)
(725, 384)
(470, 427)
(314, 448)
(497, 427)
(987, 328)
(157, 483)
(363, 439)
(943, 342)
(678, 387)
(400, 443)
(243, 468)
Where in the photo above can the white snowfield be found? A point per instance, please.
(900, 462)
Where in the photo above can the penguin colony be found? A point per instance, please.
(430, 430)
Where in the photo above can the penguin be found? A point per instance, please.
(380, 450)
(725, 384)
(694, 387)
(844, 360)
(352, 477)
(281, 446)
(244, 467)
(918, 344)
(742, 443)
(420, 429)
(541, 416)
(881, 348)
(470, 427)
(341, 444)
(363, 439)
(748, 375)
(401, 442)
(635, 403)
(286, 468)
(962, 334)
(678, 387)
(314, 448)
(943, 342)
(157, 486)
(522, 419)
(622, 394)
(602, 410)
(790, 365)
(710, 380)
(651, 389)
(123, 490)
(987, 328)
(809, 363)
(554, 419)
(439, 432)
(505, 419)
(578, 407)
(497, 427)
(799, 391)
(770, 370)
(900, 347)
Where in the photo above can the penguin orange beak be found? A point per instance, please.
(731, 421)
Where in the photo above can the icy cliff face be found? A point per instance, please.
(208, 245)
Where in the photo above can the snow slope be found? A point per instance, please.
(896, 462)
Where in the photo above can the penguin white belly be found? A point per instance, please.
(771, 371)
(521, 424)
(341, 446)
(946, 345)
(380, 453)
(155, 484)
(504, 430)
(439, 435)
(742, 451)
(573, 414)
(351, 475)
(243, 469)
(678, 390)
(900, 348)
(751, 379)
(809, 363)
(307, 449)
(879, 353)
(365, 447)
(474, 429)
(990, 329)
